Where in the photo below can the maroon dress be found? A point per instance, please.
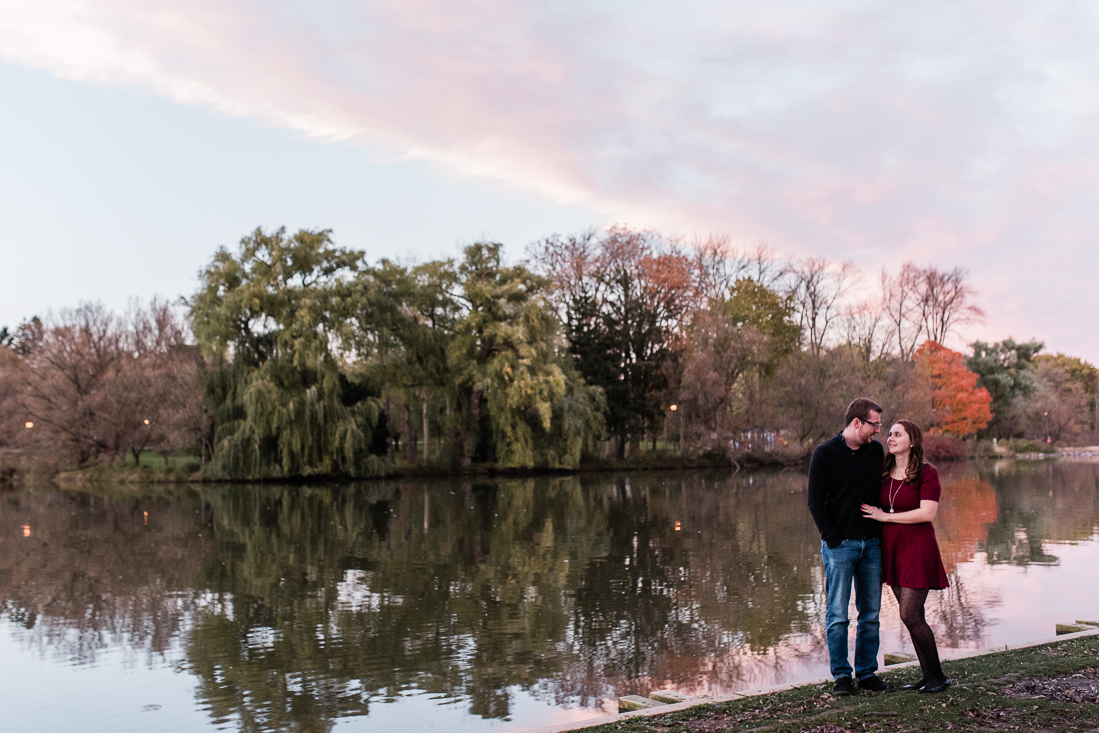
(910, 552)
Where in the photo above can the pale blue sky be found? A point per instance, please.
(108, 194)
(137, 138)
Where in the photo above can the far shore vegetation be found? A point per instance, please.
(298, 359)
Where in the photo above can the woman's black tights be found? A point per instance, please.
(911, 601)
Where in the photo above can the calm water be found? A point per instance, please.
(483, 605)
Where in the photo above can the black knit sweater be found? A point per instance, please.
(840, 481)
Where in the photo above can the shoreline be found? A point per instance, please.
(98, 476)
(17, 468)
(712, 707)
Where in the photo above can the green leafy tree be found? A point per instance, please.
(508, 355)
(1006, 369)
(751, 304)
(771, 318)
(276, 317)
(405, 322)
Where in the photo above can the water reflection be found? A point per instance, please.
(292, 607)
(1044, 502)
(84, 575)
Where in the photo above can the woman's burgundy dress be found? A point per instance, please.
(910, 552)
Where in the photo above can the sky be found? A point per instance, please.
(138, 138)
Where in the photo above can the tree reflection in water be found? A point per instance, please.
(294, 606)
(93, 577)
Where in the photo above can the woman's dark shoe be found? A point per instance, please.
(916, 685)
(941, 687)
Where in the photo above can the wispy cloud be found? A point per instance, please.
(956, 133)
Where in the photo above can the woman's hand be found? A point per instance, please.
(873, 512)
(925, 513)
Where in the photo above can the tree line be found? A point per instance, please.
(296, 357)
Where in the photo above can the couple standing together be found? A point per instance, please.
(874, 510)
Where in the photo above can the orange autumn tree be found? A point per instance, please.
(961, 407)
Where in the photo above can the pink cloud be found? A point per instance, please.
(960, 134)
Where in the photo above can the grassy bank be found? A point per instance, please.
(154, 469)
(1052, 687)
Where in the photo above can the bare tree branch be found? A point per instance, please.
(946, 302)
(819, 290)
(903, 306)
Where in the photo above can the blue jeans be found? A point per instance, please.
(858, 562)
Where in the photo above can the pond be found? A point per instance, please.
(480, 604)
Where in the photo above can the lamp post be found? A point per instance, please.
(1049, 440)
(679, 447)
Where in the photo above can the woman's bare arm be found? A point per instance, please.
(926, 512)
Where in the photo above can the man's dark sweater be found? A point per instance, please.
(840, 481)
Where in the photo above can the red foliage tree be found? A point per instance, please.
(961, 407)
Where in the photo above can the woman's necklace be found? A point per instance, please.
(892, 493)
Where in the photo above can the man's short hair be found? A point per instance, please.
(860, 408)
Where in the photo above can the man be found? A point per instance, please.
(844, 473)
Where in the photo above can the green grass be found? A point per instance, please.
(976, 702)
(151, 468)
(1029, 446)
(155, 461)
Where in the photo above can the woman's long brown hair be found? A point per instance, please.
(915, 455)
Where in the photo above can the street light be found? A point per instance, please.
(679, 443)
(28, 425)
(673, 409)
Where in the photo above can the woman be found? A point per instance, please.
(911, 563)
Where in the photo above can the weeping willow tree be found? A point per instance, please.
(404, 323)
(509, 354)
(275, 316)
